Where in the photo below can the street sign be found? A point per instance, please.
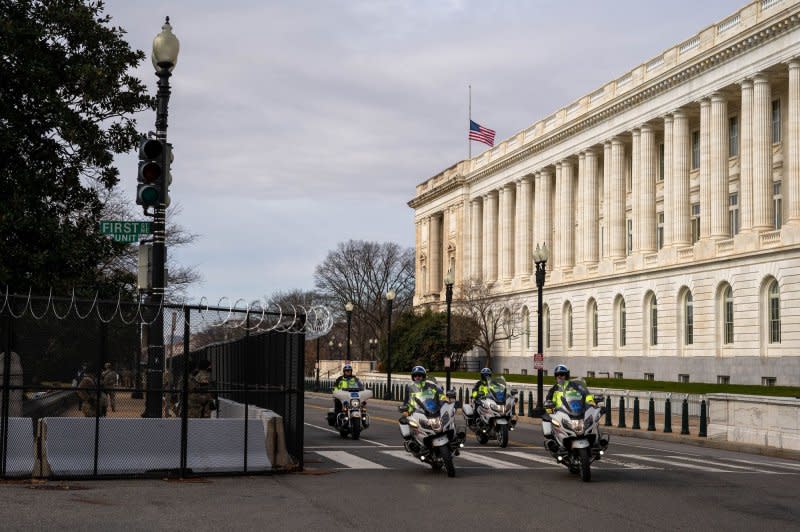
(446, 362)
(125, 231)
(538, 361)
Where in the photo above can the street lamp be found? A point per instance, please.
(449, 279)
(373, 348)
(164, 57)
(348, 307)
(540, 255)
(390, 295)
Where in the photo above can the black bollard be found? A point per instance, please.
(668, 416)
(685, 416)
(530, 404)
(651, 415)
(703, 433)
(622, 413)
(608, 412)
(461, 395)
(521, 406)
(636, 425)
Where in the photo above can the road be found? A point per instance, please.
(371, 484)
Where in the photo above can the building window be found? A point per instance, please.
(661, 162)
(768, 381)
(506, 371)
(649, 377)
(594, 324)
(660, 230)
(695, 222)
(689, 322)
(617, 374)
(653, 310)
(774, 299)
(776, 121)
(727, 312)
(733, 136)
(622, 338)
(733, 213)
(568, 325)
(526, 328)
(683, 378)
(777, 204)
(590, 374)
(723, 379)
(546, 325)
(630, 236)
(695, 150)
(523, 372)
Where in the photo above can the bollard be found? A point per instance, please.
(685, 416)
(651, 414)
(636, 425)
(622, 413)
(521, 408)
(530, 404)
(608, 411)
(668, 415)
(703, 433)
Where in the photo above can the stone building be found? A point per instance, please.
(670, 201)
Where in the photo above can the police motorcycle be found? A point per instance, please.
(576, 438)
(435, 439)
(353, 417)
(495, 418)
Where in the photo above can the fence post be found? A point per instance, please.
(6, 391)
(185, 390)
(703, 433)
(608, 411)
(461, 395)
(651, 414)
(244, 377)
(636, 425)
(530, 404)
(668, 414)
(685, 416)
(622, 412)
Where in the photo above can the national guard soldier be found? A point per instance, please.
(109, 378)
(201, 396)
(87, 392)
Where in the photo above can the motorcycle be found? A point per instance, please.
(577, 440)
(494, 418)
(353, 417)
(435, 439)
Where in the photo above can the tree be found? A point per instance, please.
(422, 339)
(497, 320)
(362, 273)
(66, 103)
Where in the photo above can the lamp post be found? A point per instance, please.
(448, 284)
(390, 295)
(373, 348)
(316, 384)
(540, 255)
(348, 308)
(340, 351)
(164, 57)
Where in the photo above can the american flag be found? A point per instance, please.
(480, 133)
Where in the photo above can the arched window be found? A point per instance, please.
(526, 329)
(727, 315)
(688, 319)
(774, 306)
(652, 310)
(591, 315)
(546, 325)
(568, 336)
(621, 322)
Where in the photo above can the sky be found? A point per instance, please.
(297, 125)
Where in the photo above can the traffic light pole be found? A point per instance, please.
(155, 348)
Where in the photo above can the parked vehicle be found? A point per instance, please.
(495, 418)
(353, 417)
(434, 436)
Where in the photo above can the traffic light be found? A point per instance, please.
(152, 168)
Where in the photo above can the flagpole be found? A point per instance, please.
(469, 142)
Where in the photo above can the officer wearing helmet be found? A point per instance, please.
(346, 381)
(418, 387)
(481, 389)
(556, 393)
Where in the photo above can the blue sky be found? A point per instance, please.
(300, 124)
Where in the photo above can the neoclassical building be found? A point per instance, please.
(670, 201)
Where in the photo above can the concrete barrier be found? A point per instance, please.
(769, 421)
(274, 435)
(20, 455)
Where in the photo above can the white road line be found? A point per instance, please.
(350, 460)
(404, 455)
(761, 463)
(531, 457)
(491, 462)
(626, 465)
(326, 429)
(677, 464)
(751, 469)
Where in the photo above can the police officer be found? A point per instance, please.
(480, 389)
(556, 393)
(419, 386)
(201, 395)
(345, 381)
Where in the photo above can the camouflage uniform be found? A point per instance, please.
(201, 398)
(109, 378)
(87, 392)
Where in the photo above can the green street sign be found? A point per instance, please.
(125, 231)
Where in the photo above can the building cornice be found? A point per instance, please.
(440, 190)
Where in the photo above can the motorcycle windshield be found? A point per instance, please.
(428, 401)
(574, 402)
(497, 388)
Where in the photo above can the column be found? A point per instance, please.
(681, 219)
(476, 262)
(791, 179)
(524, 253)
(567, 207)
(762, 154)
(580, 208)
(591, 210)
(647, 211)
(558, 236)
(509, 191)
(435, 253)
(546, 217)
(720, 224)
(490, 236)
(705, 169)
(617, 229)
(606, 251)
(636, 188)
(746, 156)
(669, 180)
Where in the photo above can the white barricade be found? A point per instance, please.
(274, 438)
(21, 447)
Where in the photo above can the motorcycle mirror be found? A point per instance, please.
(514, 391)
(599, 398)
(401, 408)
(451, 394)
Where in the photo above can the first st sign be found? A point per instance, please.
(125, 231)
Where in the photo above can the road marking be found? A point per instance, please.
(491, 462)
(627, 465)
(350, 460)
(751, 469)
(531, 457)
(677, 464)
(326, 429)
(780, 465)
(404, 455)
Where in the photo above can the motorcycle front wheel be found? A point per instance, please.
(355, 427)
(586, 461)
(447, 458)
(502, 436)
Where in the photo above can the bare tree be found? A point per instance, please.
(362, 273)
(497, 320)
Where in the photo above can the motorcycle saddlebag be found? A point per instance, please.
(467, 408)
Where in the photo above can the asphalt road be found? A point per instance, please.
(371, 484)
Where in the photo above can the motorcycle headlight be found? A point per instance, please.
(433, 423)
(575, 424)
(495, 407)
(355, 403)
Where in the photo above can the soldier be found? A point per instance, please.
(87, 393)
(110, 379)
(201, 396)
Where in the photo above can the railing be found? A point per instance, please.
(770, 238)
